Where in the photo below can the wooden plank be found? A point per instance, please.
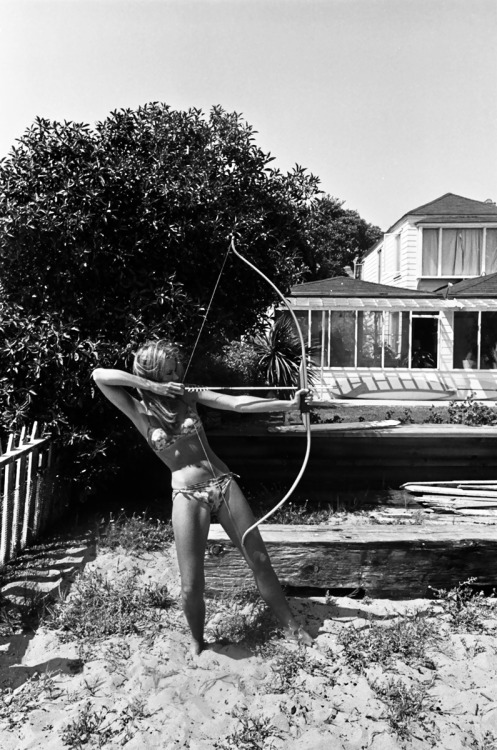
(31, 468)
(456, 483)
(19, 498)
(490, 486)
(395, 561)
(329, 427)
(453, 491)
(6, 517)
(457, 502)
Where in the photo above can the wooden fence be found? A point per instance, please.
(27, 493)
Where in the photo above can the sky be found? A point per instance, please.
(391, 103)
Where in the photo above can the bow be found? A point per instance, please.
(303, 384)
(302, 377)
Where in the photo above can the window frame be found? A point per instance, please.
(440, 228)
(326, 335)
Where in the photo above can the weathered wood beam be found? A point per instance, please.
(389, 561)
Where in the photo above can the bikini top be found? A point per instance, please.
(158, 439)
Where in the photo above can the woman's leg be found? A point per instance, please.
(191, 521)
(235, 517)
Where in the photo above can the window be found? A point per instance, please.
(369, 337)
(318, 331)
(396, 339)
(396, 256)
(491, 251)
(465, 353)
(459, 252)
(475, 340)
(342, 339)
(424, 337)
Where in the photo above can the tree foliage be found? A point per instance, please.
(335, 237)
(112, 235)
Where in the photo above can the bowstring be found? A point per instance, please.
(204, 319)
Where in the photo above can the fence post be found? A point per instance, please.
(19, 498)
(31, 483)
(7, 507)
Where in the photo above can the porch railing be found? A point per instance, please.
(27, 501)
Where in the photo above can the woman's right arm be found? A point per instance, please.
(113, 384)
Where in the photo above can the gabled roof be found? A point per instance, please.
(345, 286)
(483, 286)
(453, 207)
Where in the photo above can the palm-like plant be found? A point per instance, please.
(280, 354)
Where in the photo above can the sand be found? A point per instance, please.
(141, 692)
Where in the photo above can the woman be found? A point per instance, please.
(202, 484)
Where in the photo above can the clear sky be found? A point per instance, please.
(392, 103)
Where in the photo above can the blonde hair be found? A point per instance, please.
(150, 362)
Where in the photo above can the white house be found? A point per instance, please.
(421, 323)
(445, 241)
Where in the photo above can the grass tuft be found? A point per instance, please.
(379, 643)
(137, 533)
(252, 733)
(406, 704)
(99, 607)
(466, 608)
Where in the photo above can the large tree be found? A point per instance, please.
(114, 234)
(336, 236)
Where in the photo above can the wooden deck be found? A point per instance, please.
(396, 559)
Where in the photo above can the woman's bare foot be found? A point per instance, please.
(197, 647)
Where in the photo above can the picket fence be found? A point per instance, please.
(27, 493)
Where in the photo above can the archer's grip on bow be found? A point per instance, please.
(304, 404)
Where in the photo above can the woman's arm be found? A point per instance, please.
(249, 404)
(113, 384)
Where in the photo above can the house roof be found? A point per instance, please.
(483, 286)
(345, 286)
(451, 207)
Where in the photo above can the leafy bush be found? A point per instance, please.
(115, 235)
(471, 413)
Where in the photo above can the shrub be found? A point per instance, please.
(102, 236)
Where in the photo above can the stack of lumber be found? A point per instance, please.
(463, 497)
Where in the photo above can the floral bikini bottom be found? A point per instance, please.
(210, 494)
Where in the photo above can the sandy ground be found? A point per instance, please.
(142, 693)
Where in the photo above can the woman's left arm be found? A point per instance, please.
(250, 404)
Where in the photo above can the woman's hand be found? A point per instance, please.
(301, 396)
(170, 390)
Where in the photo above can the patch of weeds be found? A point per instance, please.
(406, 705)
(435, 416)
(137, 533)
(317, 418)
(405, 418)
(465, 607)
(287, 665)
(96, 729)
(378, 643)
(253, 733)
(25, 617)
(241, 617)
(88, 727)
(487, 741)
(99, 607)
(296, 514)
(471, 412)
(38, 689)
